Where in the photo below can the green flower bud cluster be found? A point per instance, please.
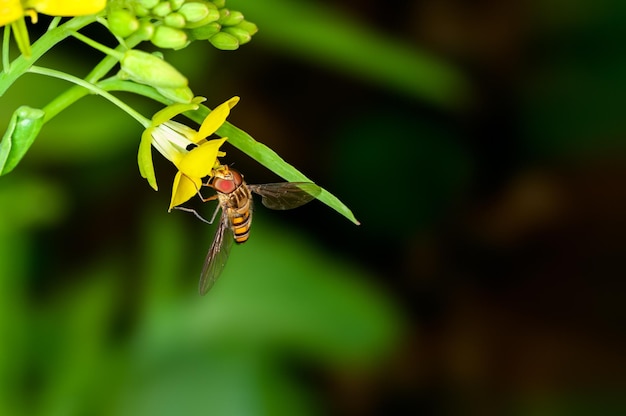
(173, 24)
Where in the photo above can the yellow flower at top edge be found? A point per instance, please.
(12, 10)
(193, 155)
(66, 7)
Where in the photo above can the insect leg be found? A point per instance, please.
(202, 197)
(215, 213)
(211, 198)
(194, 212)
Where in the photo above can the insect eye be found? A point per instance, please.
(224, 186)
(236, 177)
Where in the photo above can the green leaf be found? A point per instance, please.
(23, 128)
(270, 159)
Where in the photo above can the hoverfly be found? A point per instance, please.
(234, 198)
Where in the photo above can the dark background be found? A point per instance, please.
(480, 144)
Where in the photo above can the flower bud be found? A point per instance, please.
(23, 128)
(177, 4)
(168, 37)
(148, 4)
(212, 16)
(146, 68)
(230, 17)
(219, 3)
(141, 11)
(178, 95)
(204, 32)
(175, 20)
(224, 41)
(249, 27)
(122, 23)
(162, 9)
(242, 35)
(194, 12)
(146, 30)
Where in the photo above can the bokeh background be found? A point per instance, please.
(480, 144)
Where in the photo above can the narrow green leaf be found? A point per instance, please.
(271, 160)
(23, 128)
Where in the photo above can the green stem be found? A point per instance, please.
(91, 87)
(98, 46)
(54, 23)
(20, 33)
(75, 93)
(5, 49)
(21, 64)
(109, 61)
(116, 84)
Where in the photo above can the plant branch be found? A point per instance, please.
(88, 86)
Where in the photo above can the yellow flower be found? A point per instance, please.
(193, 155)
(12, 10)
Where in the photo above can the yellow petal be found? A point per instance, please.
(144, 158)
(171, 111)
(215, 119)
(199, 162)
(34, 17)
(66, 7)
(10, 11)
(184, 189)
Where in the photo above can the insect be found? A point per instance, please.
(234, 198)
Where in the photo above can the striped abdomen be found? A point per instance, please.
(240, 213)
(236, 200)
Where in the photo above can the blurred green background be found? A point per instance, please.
(481, 145)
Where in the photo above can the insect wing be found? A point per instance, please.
(217, 256)
(286, 195)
